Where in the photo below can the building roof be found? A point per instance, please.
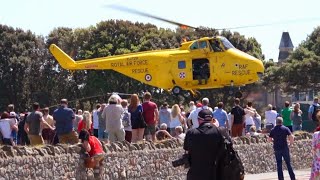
(285, 41)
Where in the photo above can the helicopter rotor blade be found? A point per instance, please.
(133, 11)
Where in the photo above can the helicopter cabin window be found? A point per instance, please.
(201, 70)
(194, 46)
(227, 44)
(216, 46)
(203, 44)
(181, 64)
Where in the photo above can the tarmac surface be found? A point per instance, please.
(300, 175)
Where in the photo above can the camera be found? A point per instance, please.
(184, 160)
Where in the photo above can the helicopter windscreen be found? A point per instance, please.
(216, 45)
(227, 44)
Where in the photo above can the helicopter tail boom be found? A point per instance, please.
(118, 63)
(68, 63)
(64, 59)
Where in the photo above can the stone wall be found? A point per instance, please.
(136, 161)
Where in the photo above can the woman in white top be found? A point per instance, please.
(271, 116)
(113, 116)
(6, 127)
(250, 112)
(176, 119)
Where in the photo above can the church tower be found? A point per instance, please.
(285, 47)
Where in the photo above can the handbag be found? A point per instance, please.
(89, 162)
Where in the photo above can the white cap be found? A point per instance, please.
(12, 114)
(205, 99)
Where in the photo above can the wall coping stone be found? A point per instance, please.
(13, 151)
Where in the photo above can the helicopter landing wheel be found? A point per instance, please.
(176, 90)
(195, 95)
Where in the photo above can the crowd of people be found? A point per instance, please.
(131, 120)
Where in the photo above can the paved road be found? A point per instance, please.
(300, 175)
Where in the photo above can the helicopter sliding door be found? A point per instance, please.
(201, 70)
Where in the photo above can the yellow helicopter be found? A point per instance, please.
(205, 63)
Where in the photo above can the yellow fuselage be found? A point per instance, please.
(168, 68)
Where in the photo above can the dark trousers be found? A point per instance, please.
(7, 141)
(286, 156)
(95, 132)
(128, 136)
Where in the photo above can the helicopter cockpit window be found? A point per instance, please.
(226, 43)
(203, 44)
(215, 44)
(194, 46)
(181, 64)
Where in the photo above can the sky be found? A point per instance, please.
(297, 17)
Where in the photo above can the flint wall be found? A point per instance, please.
(136, 161)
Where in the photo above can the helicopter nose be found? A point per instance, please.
(249, 61)
(259, 67)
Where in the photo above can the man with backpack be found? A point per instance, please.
(312, 110)
(208, 152)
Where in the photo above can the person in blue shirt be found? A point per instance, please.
(312, 110)
(64, 118)
(279, 135)
(165, 115)
(221, 115)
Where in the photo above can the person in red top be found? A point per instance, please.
(86, 123)
(151, 116)
(93, 147)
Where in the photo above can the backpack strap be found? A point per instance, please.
(224, 140)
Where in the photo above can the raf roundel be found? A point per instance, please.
(182, 75)
(148, 77)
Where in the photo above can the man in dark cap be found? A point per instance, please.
(202, 144)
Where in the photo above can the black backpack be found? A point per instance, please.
(229, 164)
(315, 108)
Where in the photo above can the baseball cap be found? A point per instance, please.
(12, 114)
(199, 105)
(205, 115)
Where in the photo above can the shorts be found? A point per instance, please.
(47, 134)
(70, 138)
(150, 129)
(35, 140)
(138, 124)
